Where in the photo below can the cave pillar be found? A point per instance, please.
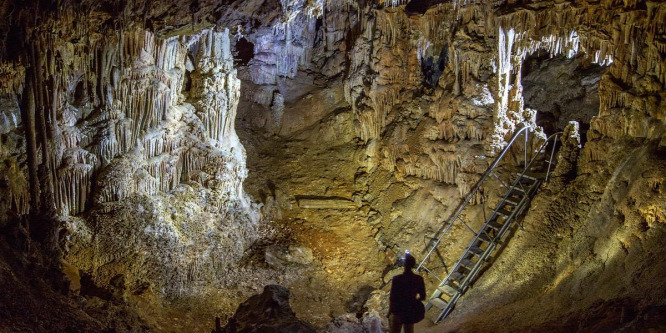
(33, 104)
(27, 107)
(41, 94)
(565, 170)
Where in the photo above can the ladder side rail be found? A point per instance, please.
(463, 204)
(477, 268)
(501, 232)
(474, 240)
(445, 312)
(474, 271)
(467, 281)
(460, 259)
(510, 219)
(552, 153)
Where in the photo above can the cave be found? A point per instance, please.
(562, 89)
(265, 166)
(244, 52)
(432, 67)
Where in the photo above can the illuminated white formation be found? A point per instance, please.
(288, 44)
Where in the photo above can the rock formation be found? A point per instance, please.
(183, 155)
(267, 312)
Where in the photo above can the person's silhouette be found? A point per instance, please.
(407, 292)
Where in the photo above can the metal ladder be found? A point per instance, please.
(516, 199)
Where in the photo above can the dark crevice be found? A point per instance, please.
(433, 66)
(79, 94)
(417, 6)
(421, 6)
(244, 52)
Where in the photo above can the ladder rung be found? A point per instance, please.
(517, 191)
(448, 290)
(527, 181)
(510, 203)
(467, 263)
(495, 225)
(438, 303)
(533, 175)
(476, 250)
(457, 276)
(484, 237)
(504, 212)
(513, 201)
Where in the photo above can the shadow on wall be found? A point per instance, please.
(421, 6)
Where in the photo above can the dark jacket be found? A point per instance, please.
(403, 301)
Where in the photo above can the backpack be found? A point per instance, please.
(414, 313)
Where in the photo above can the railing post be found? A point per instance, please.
(526, 139)
(446, 227)
(458, 211)
(550, 161)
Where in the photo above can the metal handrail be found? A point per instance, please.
(519, 209)
(506, 195)
(446, 227)
(463, 204)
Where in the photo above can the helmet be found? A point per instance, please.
(410, 262)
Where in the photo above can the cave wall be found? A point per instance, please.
(140, 161)
(420, 148)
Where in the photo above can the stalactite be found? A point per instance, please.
(504, 67)
(289, 45)
(11, 79)
(595, 151)
(394, 26)
(465, 182)
(447, 165)
(19, 194)
(445, 130)
(73, 188)
(9, 120)
(139, 77)
(218, 89)
(440, 166)
(27, 107)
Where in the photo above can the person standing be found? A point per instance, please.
(407, 294)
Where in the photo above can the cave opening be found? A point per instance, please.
(417, 6)
(562, 89)
(244, 52)
(432, 66)
(79, 94)
(420, 6)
